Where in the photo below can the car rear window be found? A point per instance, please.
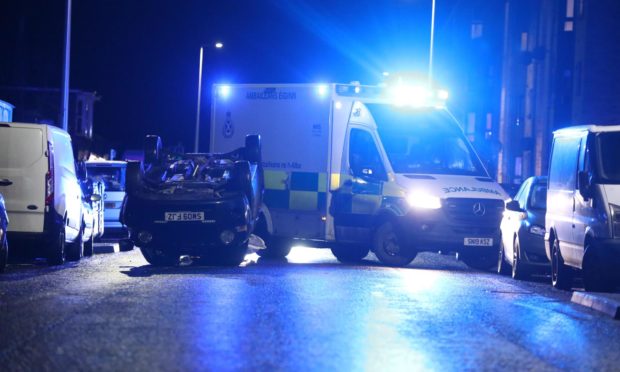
(20, 147)
(112, 177)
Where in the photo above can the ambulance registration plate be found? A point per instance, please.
(184, 216)
(479, 242)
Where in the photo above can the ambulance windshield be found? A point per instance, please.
(427, 142)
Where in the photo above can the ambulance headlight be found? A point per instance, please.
(423, 200)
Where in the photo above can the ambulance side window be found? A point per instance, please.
(364, 158)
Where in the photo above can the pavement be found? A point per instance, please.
(309, 312)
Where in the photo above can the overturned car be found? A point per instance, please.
(201, 205)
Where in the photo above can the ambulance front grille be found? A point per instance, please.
(474, 212)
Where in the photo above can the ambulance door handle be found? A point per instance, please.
(5, 182)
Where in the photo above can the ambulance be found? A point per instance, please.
(358, 168)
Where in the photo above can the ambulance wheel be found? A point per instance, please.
(389, 246)
(159, 258)
(277, 248)
(350, 253)
(253, 148)
(480, 260)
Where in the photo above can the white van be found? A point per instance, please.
(354, 168)
(583, 206)
(41, 191)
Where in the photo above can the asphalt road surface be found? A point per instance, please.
(115, 312)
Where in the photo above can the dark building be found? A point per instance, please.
(42, 105)
(560, 61)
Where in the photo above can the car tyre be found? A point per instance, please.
(89, 246)
(56, 252)
(390, 247)
(350, 253)
(4, 254)
(125, 245)
(502, 266)
(519, 270)
(561, 275)
(75, 250)
(159, 258)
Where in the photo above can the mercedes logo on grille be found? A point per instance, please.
(479, 209)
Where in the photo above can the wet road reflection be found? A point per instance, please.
(305, 313)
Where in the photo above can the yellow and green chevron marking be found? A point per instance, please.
(295, 190)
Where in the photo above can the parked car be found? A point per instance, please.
(4, 245)
(522, 247)
(41, 191)
(92, 200)
(583, 213)
(202, 205)
(112, 174)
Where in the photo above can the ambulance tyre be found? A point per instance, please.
(277, 247)
(350, 253)
(390, 246)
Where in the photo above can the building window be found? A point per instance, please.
(476, 30)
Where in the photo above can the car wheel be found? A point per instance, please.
(158, 257)
(125, 245)
(75, 250)
(350, 253)
(561, 275)
(56, 253)
(519, 271)
(390, 248)
(594, 278)
(502, 266)
(479, 260)
(4, 254)
(89, 246)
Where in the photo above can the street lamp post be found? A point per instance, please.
(64, 94)
(430, 57)
(217, 45)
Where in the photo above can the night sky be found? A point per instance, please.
(141, 57)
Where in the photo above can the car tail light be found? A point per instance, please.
(49, 176)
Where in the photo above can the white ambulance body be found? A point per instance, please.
(353, 168)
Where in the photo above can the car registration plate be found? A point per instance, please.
(184, 216)
(479, 242)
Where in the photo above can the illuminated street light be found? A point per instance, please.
(219, 45)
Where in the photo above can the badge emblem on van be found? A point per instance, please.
(479, 209)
